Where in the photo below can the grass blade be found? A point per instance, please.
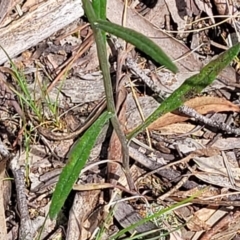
(140, 41)
(190, 87)
(24, 97)
(76, 161)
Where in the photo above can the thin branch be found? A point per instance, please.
(209, 122)
(26, 228)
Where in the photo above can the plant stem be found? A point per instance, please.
(103, 61)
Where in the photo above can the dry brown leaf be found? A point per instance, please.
(91, 223)
(83, 206)
(202, 105)
(180, 128)
(224, 226)
(173, 236)
(91, 186)
(196, 225)
(157, 15)
(172, 7)
(191, 8)
(215, 166)
(225, 7)
(198, 221)
(208, 192)
(206, 7)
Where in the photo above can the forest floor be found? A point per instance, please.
(53, 92)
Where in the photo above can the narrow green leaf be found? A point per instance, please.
(190, 87)
(76, 161)
(92, 14)
(96, 6)
(102, 55)
(140, 41)
(100, 7)
(99, 36)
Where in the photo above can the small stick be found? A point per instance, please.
(26, 231)
(223, 126)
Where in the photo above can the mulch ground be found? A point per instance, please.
(176, 158)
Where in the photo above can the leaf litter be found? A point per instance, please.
(79, 95)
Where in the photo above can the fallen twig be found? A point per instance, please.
(209, 122)
(26, 231)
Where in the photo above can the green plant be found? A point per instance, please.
(26, 99)
(190, 87)
(24, 95)
(153, 216)
(30, 105)
(95, 13)
(76, 161)
(52, 106)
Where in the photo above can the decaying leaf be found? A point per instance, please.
(203, 105)
(206, 7)
(197, 222)
(180, 128)
(225, 7)
(215, 172)
(215, 165)
(172, 7)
